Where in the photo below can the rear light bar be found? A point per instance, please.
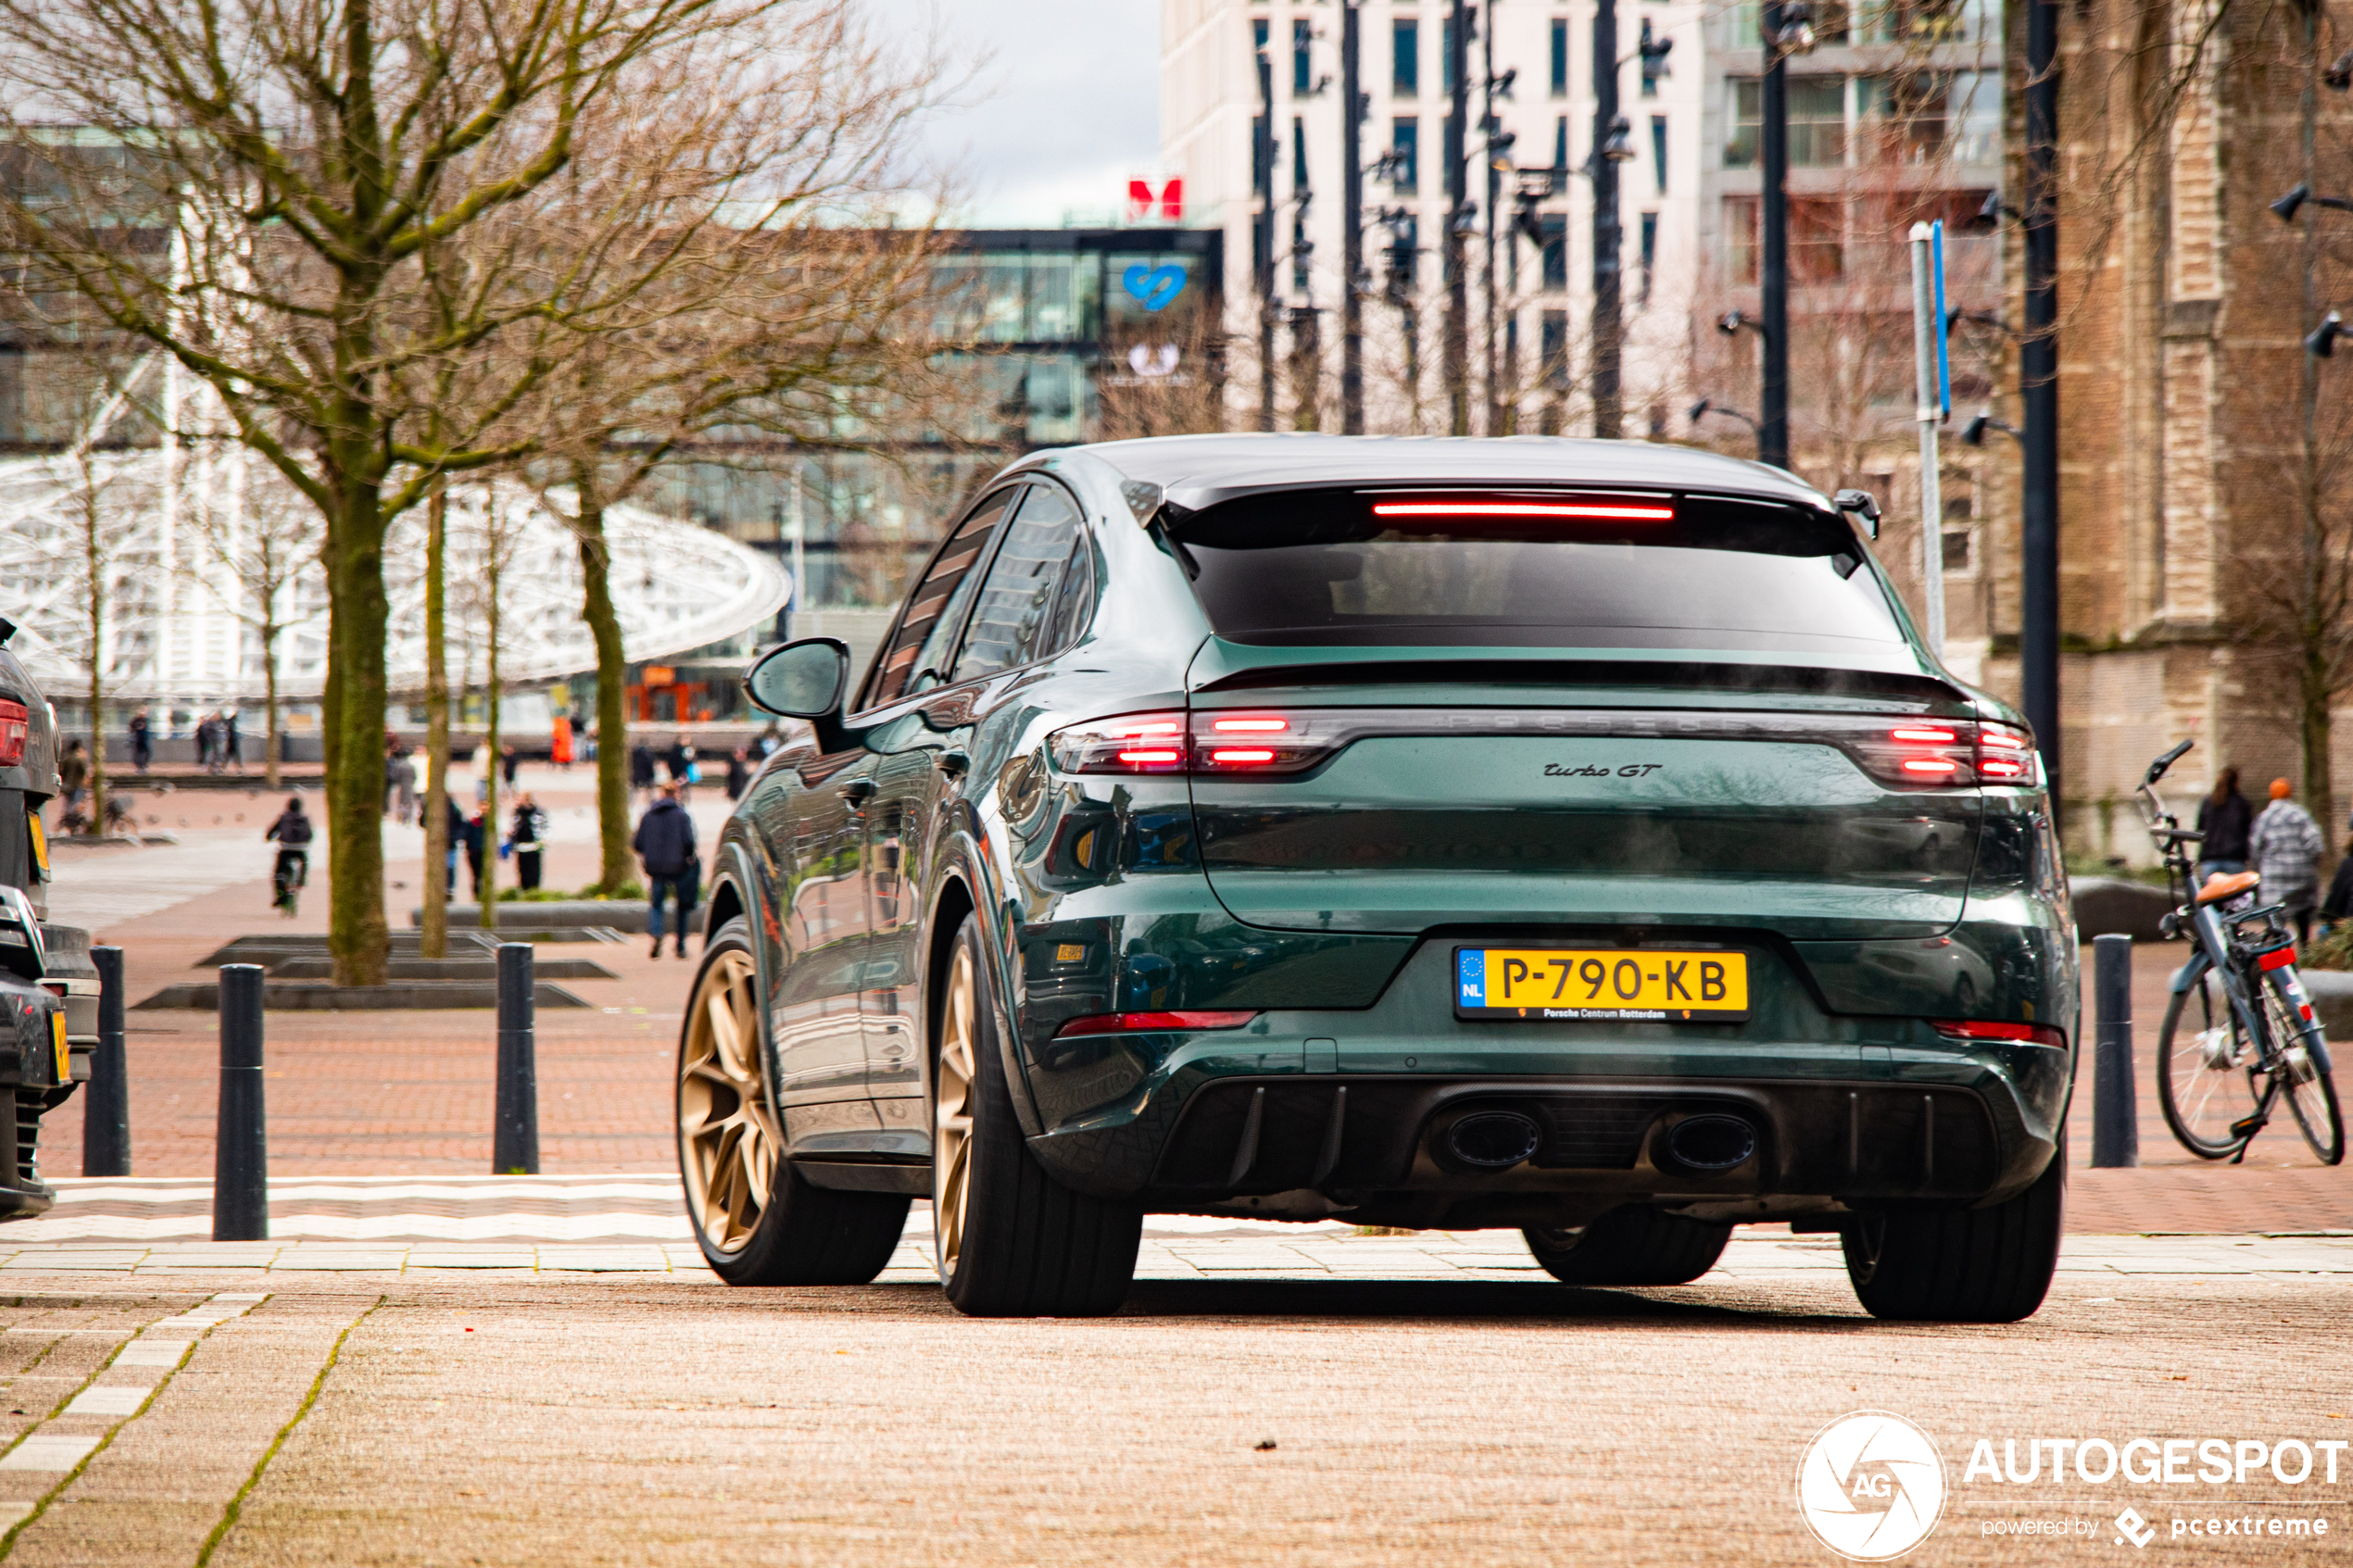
(1996, 1029)
(1524, 508)
(1936, 753)
(14, 721)
(1152, 1022)
(1900, 753)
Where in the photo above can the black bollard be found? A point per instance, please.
(514, 1144)
(241, 1149)
(2116, 1120)
(106, 1099)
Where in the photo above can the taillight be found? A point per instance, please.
(1206, 744)
(13, 723)
(1997, 1029)
(1938, 754)
(1142, 1022)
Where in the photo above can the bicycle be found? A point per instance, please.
(2253, 1035)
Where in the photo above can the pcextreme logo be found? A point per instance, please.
(1870, 1486)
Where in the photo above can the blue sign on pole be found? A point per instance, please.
(1944, 329)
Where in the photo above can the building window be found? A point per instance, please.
(1817, 122)
(1560, 145)
(1405, 58)
(1553, 331)
(1446, 52)
(1303, 59)
(1653, 66)
(1817, 240)
(1740, 214)
(1299, 176)
(1554, 272)
(1650, 254)
(1560, 56)
(1405, 141)
(1303, 251)
(1658, 151)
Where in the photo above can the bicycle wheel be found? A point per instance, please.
(2307, 1088)
(2205, 1070)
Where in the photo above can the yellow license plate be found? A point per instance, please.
(39, 844)
(1609, 983)
(65, 1051)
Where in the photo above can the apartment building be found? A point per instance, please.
(1895, 113)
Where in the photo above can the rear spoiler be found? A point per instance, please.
(1677, 674)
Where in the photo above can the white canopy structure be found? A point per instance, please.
(185, 534)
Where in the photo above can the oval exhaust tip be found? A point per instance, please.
(1711, 1143)
(1493, 1140)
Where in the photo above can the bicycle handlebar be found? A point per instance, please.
(2157, 768)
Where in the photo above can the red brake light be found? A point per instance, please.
(1202, 744)
(1523, 508)
(1926, 736)
(1997, 1029)
(1250, 726)
(1241, 754)
(1138, 1023)
(14, 721)
(1933, 765)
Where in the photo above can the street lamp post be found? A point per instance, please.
(1785, 30)
(1262, 160)
(1608, 233)
(1456, 350)
(1351, 228)
(2038, 375)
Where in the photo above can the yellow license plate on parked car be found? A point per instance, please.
(1707, 985)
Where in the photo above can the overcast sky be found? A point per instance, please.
(1066, 106)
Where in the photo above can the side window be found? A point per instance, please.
(1009, 619)
(1074, 601)
(936, 605)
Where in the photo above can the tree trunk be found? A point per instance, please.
(487, 895)
(2315, 683)
(613, 676)
(269, 744)
(433, 941)
(358, 936)
(97, 663)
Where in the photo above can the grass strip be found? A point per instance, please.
(236, 1504)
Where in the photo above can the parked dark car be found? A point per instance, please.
(48, 989)
(1567, 837)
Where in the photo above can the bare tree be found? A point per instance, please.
(263, 538)
(252, 187)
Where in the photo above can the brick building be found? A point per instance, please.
(2192, 420)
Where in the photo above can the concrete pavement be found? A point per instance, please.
(1366, 1414)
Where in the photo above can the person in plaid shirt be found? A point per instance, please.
(2286, 849)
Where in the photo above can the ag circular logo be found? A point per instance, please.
(1871, 1486)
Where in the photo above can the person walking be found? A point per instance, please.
(73, 771)
(208, 732)
(665, 846)
(2288, 845)
(527, 836)
(456, 832)
(641, 768)
(738, 773)
(292, 831)
(508, 763)
(143, 745)
(230, 744)
(476, 832)
(2225, 819)
(404, 787)
(559, 743)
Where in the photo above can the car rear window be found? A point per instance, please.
(1531, 569)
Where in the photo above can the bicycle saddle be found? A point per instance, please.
(2227, 885)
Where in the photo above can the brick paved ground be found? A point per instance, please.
(411, 1093)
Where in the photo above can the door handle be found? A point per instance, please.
(857, 791)
(954, 763)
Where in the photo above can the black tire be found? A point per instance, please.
(2207, 1099)
(1024, 1245)
(1631, 1246)
(1962, 1266)
(803, 1235)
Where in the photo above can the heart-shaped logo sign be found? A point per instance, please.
(1155, 286)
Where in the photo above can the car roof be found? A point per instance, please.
(1197, 471)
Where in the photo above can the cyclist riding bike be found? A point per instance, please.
(2240, 1033)
(292, 830)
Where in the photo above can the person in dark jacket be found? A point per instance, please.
(527, 837)
(143, 745)
(292, 830)
(2226, 819)
(508, 763)
(665, 846)
(738, 773)
(2338, 905)
(477, 834)
(641, 768)
(456, 832)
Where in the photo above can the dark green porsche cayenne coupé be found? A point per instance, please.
(1567, 836)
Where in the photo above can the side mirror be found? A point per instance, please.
(803, 680)
(1859, 502)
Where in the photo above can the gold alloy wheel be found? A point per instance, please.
(954, 1087)
(727, 1139)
